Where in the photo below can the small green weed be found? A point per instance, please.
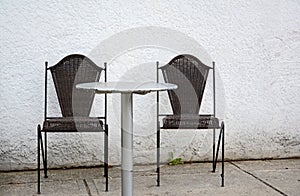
(176, 161)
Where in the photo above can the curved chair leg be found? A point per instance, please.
(217, 152)
(223, 152)
(45, 154)
(221, 137)
(158, 154)
(44, 158)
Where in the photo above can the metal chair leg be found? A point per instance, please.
(43, 155)
(217, 153)
(45, 160)
(158, 154)
(38, 160)
(106, 157)
(223, 152)
(214, 150)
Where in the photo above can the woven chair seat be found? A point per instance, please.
(190, 122)
(70, 124)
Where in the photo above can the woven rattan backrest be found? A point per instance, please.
(190, 75)
(71, 70)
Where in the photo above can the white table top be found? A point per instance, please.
(126, 87)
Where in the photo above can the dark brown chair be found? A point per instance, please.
(75, 105)
(190, 75)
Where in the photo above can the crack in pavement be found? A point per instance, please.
(87, 187)
(257, 178)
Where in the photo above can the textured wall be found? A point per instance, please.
(255, 45)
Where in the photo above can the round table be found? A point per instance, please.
(127, 89)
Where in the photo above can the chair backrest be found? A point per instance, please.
(190, 75)
(68, 72)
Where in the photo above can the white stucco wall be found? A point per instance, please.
(255, 44)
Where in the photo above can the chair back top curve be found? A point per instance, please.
(190, 75)
(68, 72)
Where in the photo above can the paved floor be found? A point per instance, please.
(276, 177)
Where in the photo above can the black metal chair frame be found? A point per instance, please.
(221, 127)
(42, 145)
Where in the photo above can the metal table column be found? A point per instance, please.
(127, 144)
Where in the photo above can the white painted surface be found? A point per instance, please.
(255, 45)
(126, 87)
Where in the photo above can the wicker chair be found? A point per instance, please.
(190, 75)
(75, 106)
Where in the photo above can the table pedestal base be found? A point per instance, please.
(127, 144)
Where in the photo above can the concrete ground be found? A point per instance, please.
(275, 177)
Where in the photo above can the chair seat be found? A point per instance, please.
(70, 124)
(190, 122)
